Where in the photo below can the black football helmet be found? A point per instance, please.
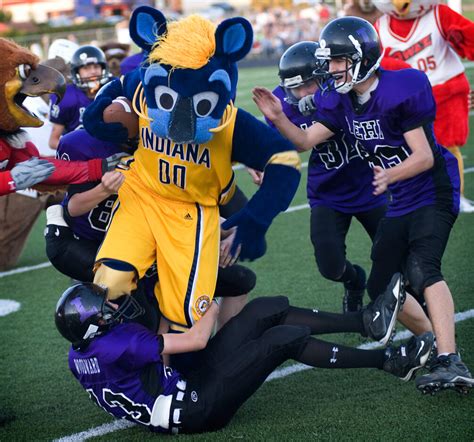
(83, 312)
(297, 65)
(355, 40)
(84, 56)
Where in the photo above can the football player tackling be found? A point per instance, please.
(389, 115)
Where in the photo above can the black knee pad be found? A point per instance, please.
(235, 280)
(288, 337)
(270, 309)
(420, 275)
(330, 267)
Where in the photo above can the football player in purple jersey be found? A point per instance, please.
(120, 363)
(339, 181)
(89, 72)
(389, 116)
(76, 228)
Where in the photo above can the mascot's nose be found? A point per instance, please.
(183, 121)
(401, 6)
(44, 80)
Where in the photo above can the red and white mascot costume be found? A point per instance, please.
(433, 38)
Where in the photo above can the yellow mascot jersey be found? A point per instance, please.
(198, 173)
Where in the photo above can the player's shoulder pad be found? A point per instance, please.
(75, 146)
(406, 82)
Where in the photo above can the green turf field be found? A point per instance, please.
(40, 400)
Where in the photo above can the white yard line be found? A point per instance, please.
(241, 166)
(25, 269)
(277, 374)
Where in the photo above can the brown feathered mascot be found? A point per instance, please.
(21, 167)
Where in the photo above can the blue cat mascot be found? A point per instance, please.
(190, 135)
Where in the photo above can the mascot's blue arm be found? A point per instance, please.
(93, 116)
(258, 146)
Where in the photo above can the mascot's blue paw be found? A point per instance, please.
(94, 123)
(250, 235)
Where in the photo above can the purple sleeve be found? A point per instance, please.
(59, 113)
(326, 110)
(418, 109)
(143, 348)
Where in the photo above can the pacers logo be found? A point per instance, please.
(202, 304)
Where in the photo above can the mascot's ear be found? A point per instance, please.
(146, 25)
(234, 38)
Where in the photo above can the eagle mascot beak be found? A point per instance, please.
(31, 82)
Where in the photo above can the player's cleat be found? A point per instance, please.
(407, 359)
(352, 301)
(465, 205)
(380, 315)
(448, 372)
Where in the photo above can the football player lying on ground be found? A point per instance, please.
(119, 363)
(389, 116)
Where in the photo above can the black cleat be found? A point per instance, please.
(448, 372)
(352, 300)
(380, 315)
(407, 359)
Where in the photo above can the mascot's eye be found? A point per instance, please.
(24, 71)
(165, 98)
(204, 103)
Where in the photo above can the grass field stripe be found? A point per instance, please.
(277, 374)
(97, 431)
(469, 170)
(241, 166)
(296, 208)
(25, 269)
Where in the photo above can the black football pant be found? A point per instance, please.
(329, 229)
(413, 244)
(70, 255)
(251, 345)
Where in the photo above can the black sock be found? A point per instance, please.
(324, 322)
(323, 354)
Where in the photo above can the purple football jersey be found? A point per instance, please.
(124, 374)
(80, 146)
(337, 177)
(402, 101)
(69, 111)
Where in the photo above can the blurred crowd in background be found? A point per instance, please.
(275, 29)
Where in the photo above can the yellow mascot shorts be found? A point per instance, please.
(182, 237)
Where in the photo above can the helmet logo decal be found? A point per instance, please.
(293, 81)
(91, 331)
(323, 53)
(83, 312)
